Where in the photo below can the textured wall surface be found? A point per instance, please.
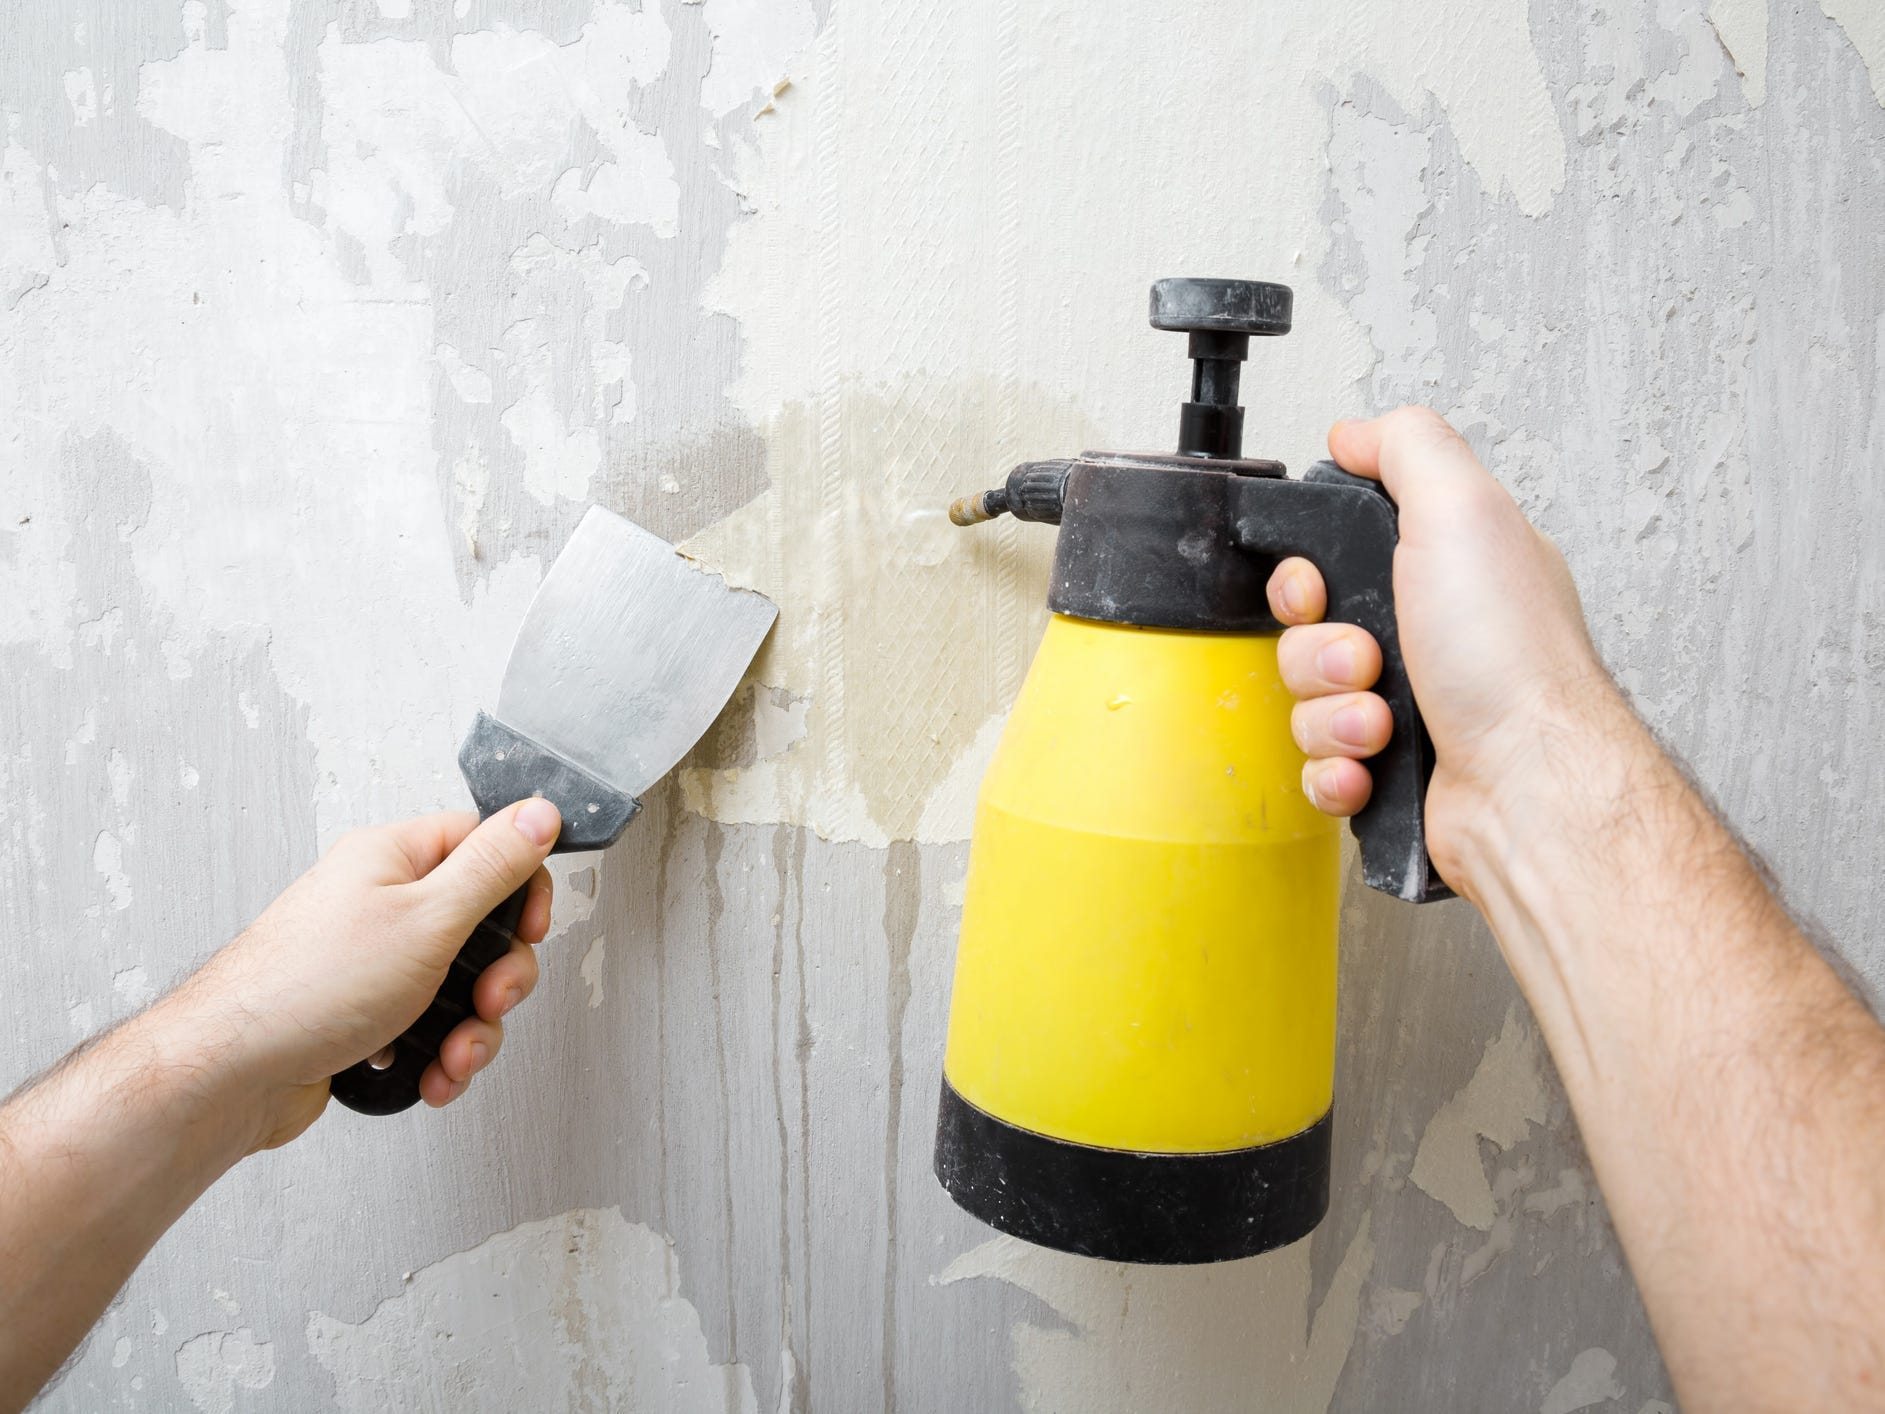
(321, 321)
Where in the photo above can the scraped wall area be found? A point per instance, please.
(322, 321)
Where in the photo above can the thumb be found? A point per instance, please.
(491, 863)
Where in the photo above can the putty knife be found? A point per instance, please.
(625, 656)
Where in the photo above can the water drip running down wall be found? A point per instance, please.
(321, 323)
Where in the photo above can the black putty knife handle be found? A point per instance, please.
(500, 766)
(375, 1091)
(1348, 527)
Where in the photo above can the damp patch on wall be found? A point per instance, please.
(919, 159)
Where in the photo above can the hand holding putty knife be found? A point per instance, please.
(625, 656)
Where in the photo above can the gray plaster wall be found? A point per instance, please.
(321, 321)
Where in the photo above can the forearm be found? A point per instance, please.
(106, 1150)
(1727, 1084)
(97, 1158)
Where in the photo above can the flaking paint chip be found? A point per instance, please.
(771, 104)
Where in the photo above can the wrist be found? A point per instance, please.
(1582, 766)
(1547, 851)
(195, 1056)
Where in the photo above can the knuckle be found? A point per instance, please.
(1422, 426)
(484, 863)
(1488, 503)
(350, 841)
(1416, 418)
(1306, 675)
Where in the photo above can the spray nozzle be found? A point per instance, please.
(983, 505)
(1033, 491)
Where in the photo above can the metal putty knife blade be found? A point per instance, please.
(627, 653)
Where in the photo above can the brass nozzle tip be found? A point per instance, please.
(970, 510)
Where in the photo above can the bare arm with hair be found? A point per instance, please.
(1729, 1087)
(102, 1153)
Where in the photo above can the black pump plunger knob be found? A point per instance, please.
(1221, 316)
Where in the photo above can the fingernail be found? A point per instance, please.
(480, 1053)
(537, 821)
(1336, 662)
(1311, 779)
(512, 996)
(458, 1088)
(1294, 599)
(1350, 726)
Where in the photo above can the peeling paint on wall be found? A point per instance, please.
(592, 969)
(1741, 26)
(578, 1311)
(1864, 25)
(210, 550)
(754, 42)
(1591, 1380)
(1501, 1103)
(214, 1365)
(1119, 1339)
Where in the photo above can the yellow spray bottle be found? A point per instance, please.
(1141, 1049)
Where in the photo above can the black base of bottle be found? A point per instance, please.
(1124, 1206)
